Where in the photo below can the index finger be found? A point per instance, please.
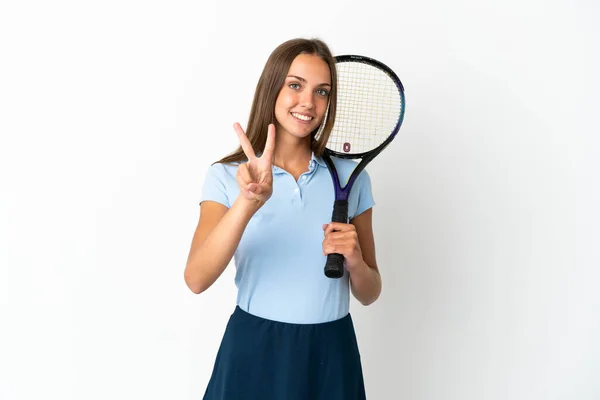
(244, 142)
(338, 227)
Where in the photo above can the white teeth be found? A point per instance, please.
(302, 117)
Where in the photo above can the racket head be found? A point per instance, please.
(370, 108)
(369, 113)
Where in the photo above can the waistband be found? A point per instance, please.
(241, 315)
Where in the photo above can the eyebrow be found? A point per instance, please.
(304, 80)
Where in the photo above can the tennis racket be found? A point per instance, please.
(369, 113)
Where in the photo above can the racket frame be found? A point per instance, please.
(334, 267)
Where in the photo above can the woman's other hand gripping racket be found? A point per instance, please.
(342, 239)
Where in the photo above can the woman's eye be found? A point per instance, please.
(323, 92)
(294, 86)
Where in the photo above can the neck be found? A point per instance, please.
(292, 156)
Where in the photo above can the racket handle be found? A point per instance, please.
(334, 267)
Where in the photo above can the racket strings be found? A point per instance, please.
(368, 108)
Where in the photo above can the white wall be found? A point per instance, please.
(487, 203)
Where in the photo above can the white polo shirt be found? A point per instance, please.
(279, 261)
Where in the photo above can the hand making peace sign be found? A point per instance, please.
(255, 177)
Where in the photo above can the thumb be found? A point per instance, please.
(254, 188)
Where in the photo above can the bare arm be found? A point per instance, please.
(217, 236)
(220, 229)
(366, 281)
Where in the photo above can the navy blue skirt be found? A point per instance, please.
(269, 360)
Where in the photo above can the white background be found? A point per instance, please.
(487, 203)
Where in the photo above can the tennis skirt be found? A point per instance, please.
(260, 359)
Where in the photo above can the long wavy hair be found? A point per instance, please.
(269, 85)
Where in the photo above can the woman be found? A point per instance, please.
(267, 204)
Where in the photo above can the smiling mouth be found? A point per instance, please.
(302, 117)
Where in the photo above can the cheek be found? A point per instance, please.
(284, 101)
(322, 107)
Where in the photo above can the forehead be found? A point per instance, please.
(310, 67)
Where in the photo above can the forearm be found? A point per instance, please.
(208, 261)
(365, 284)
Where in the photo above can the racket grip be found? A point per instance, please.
(334, 267)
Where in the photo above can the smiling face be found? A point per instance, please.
(302, 101)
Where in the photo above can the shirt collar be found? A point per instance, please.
(314, 161)
(318, 160)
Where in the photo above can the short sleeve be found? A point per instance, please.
(362, 189)
(214, 187)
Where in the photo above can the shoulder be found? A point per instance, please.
(220, 184)
(223, 171)
(221, 176)
(224, 167)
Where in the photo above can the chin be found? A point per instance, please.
(299, 132)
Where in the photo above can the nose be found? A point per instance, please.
(307, 100)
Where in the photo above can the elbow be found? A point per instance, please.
(369, 298)
(369, 301)
(200, 276)
(196, 285)
(195, 289)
